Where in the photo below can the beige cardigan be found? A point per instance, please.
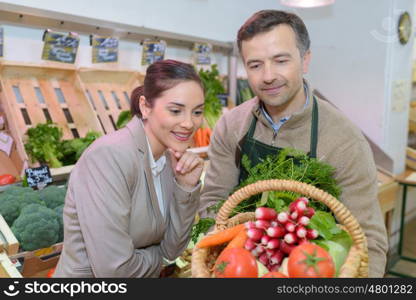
(112, 223)
(340, 144)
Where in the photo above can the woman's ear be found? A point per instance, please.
(144, 108)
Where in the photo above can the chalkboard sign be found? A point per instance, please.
(38, 177)
(104, 49)
(60, 47)
(1, 42)
(153, 51)
(202, 53)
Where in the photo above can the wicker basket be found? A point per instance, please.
(356, 263)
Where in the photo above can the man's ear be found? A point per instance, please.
(305, 61)
(144, 108)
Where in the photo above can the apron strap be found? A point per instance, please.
(314, 129)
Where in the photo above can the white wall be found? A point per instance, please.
(212, 19)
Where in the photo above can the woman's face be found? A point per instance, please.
(174, 117)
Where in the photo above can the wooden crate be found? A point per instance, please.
(109, 92)
(32, 94)
(35, 263)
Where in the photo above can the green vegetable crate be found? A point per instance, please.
(76, 100)
(31, 230)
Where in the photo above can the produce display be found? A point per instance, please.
(45, 145)
(297, 242)
(213, 87)
(34, 216)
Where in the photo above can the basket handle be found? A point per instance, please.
(342, 214)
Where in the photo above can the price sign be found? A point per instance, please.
(153, 51)
(104, 49)
(202, 53)
(38, 177)
(60, 47)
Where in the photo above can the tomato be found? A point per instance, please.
(50, 273)
(7, 179)
(310, 260)
(274, 275)
(235, 263)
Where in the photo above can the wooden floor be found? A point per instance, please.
(409, 249)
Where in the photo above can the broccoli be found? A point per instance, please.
(28, 196)
(9, 208)
(60, 213)
(13, 199)
(36, 227)
(53, 196)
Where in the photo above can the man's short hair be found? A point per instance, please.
(266, 20)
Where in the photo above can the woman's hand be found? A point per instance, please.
(187, 167)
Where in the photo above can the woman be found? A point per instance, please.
(133, 195)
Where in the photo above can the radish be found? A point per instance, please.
(298, 206)
(255, 234)
(285, 248)
(262, 224)
(276, 232)
(290, 238)
(273, 244)
(301, 232)
(294, 215)
(265, 213)
(283, 217)
(312, 234)
(290, 227)
(250, 224)
(276, 258)
(274, 224)
(250, 245)
(304, 200)
(254, 252)
(270, 252)
(264, 259)
(304, 220)
(265, 239)
(260, 249)
(309, 212)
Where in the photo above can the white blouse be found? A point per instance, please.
(157, 168)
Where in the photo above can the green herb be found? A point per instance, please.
(213, 86)
(289, 164)
(202, 226)
(43, 145)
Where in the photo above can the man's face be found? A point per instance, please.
(274, 66)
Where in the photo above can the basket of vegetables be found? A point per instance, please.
(298, 242)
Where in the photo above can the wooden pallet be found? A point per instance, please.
(109, 93)
(32, 94)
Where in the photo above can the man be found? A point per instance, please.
(274, 46)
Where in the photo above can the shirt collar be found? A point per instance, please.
(155, 166)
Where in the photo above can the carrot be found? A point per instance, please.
(208, 132)
(239, 241)
(221, 237)
(197, 138)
